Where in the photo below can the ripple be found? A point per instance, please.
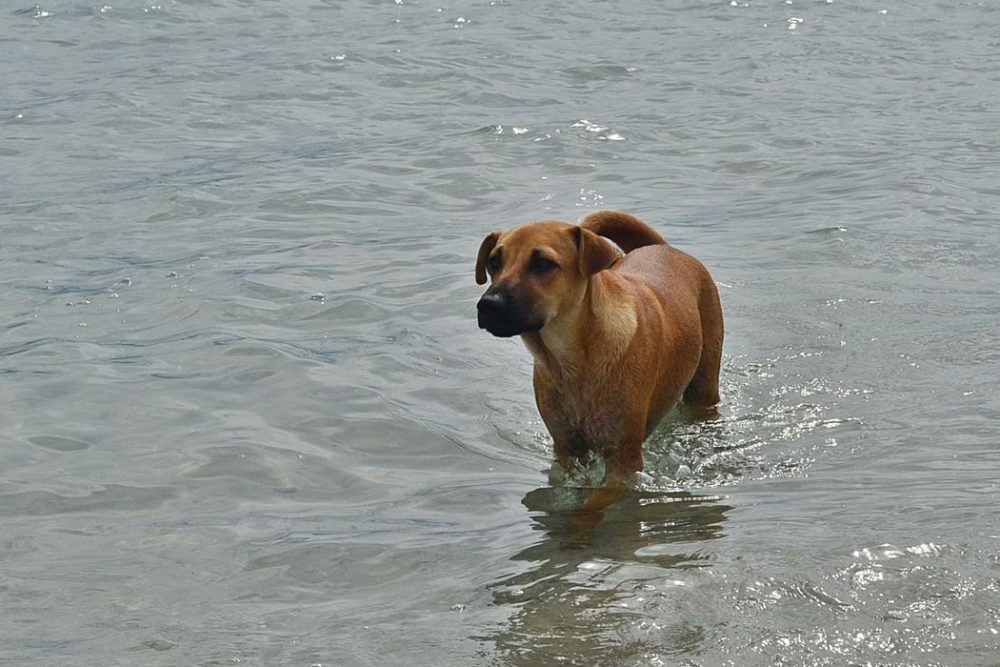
(112, 497)
(59, 443)
(349, 567)
(601, 72)
(248, 463)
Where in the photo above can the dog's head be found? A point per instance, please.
(537, 271)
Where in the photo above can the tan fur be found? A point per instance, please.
(620, 339)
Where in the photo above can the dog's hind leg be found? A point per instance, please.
(703, 390)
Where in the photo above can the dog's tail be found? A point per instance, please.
(628, 231)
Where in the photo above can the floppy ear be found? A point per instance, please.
(595, 253)
(484, 252)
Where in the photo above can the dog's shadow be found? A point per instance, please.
(571, 579)
(631, 530)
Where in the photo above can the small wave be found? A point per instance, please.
(601, 132)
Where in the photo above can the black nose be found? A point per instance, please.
(492, 303)
(497, 313)
(503, 314)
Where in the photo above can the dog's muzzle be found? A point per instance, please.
(502, 316)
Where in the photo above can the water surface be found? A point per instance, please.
(247, 416)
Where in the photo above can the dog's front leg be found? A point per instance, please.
(621, 465)
(561, 462)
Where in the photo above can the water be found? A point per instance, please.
(247, 416)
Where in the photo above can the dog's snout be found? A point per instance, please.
(502, 314)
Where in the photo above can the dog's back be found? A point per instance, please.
(627, 231)
(682, 283)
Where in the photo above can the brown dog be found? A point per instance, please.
(617, 339)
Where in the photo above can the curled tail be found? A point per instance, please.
(628, 231)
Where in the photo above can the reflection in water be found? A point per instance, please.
(636, 583)
(591, 588)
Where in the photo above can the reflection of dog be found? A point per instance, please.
(617, 340)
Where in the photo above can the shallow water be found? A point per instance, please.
(247, 415)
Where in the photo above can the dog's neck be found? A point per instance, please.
(590, 336)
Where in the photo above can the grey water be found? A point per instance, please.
(246, 415)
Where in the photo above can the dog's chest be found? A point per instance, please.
(583, 423)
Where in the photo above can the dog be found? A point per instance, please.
(619, 335)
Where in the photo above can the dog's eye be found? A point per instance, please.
(493, 263)
(540, 265)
